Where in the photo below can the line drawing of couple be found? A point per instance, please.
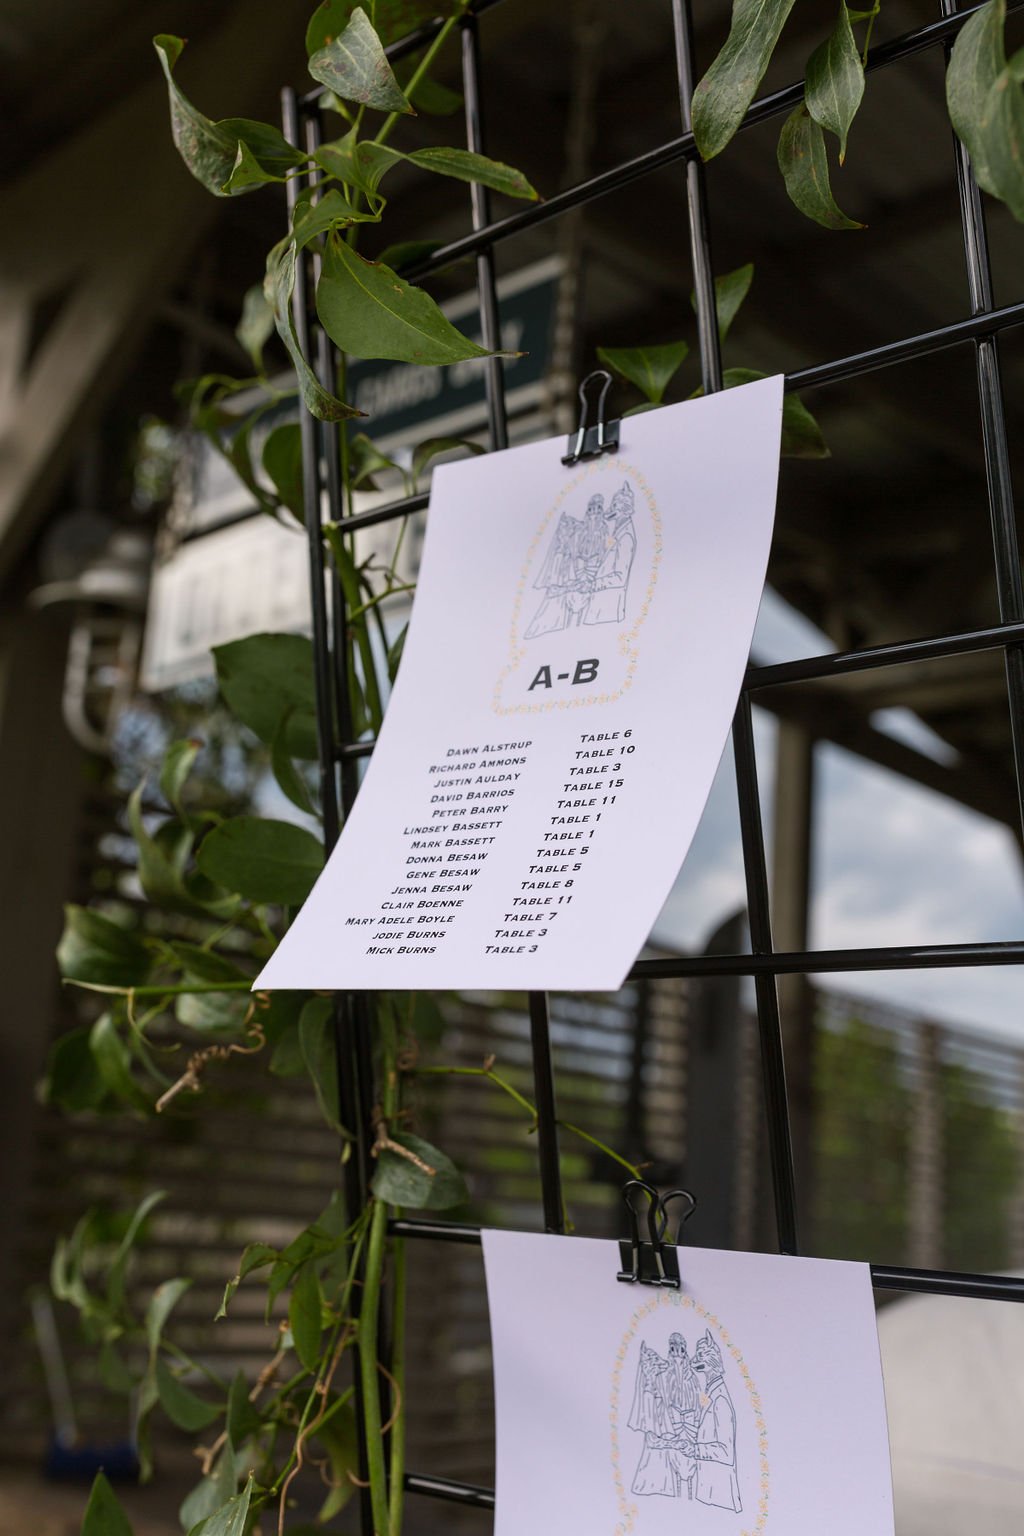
(683, 1410)
(585, 575)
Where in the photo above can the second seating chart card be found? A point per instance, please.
(747, 1403)
(577, 645)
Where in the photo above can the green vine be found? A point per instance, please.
(984, 94)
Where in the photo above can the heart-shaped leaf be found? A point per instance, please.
(976, 62)
(803, 161)
(282, 461)
(279, 286)
(730, 291)
(355, 67)
(370, 312)
(305, 1317)
(319, 1055)
(256, 325)
(103, 1514)
(94, 948)
(181, 1405)
(265, 677)
(392, 19)
(726, 91)
(651, 369)
(231, 1519)
(834, 81)
(262, 860)
(230, 156)
(464, 165)
(401, 1181)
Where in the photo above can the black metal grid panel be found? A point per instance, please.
(338, 751)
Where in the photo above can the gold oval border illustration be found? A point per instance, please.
(627, 640)
(629, 1510)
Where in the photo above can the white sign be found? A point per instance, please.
(576, 649)
(749, 1402)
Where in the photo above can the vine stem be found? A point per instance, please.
(193, 989)
(491, 1076)
(398, 1374)
(384, 133)
(369, 1318)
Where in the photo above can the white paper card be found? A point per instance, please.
(748, 1403)
(572, 666)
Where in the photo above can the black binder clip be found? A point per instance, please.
(603, 437)
(654, 1262)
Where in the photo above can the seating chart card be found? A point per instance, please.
(748, 1403)
(576, 649)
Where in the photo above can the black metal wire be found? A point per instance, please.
(885, 1277)
(764, 964)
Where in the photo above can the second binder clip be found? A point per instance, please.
(652, 1260)
(603, 437)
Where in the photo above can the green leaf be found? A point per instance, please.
(651, 369)
(430, 96)
(266, 677)
(118, 1268)
(424, 453)
(316, 1042)
(179, 760)
(370, 312)
(114, 1372)
(287, 1059)
(261, 859)
(279, 285)
(181, 1405)
(96, 949)
(393, 19)
(256, 325)
(213, 151)
(976, 63)
(72, 1078)
(339, 1435)
(289, 779)
(400, 1182)
(231, 1519)
(1001, 134)
(243, 1418)
(395, 650)
(66, 1279)
(354, 66)
(834, 81)
(408, 253)
(366, 460)
(331, 211)
(208, 151)
(163, 858)
(358, 165)
(730, 291)
(726, 91)
(803, 162)
(464, 165)
(366, 698)
(282, 460)
(802, 438)
(213, 1492)
(113, 1062)
(266, 144)
(305, 1317)
(253, 1257)
(103, 1514)
(162, 1303)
